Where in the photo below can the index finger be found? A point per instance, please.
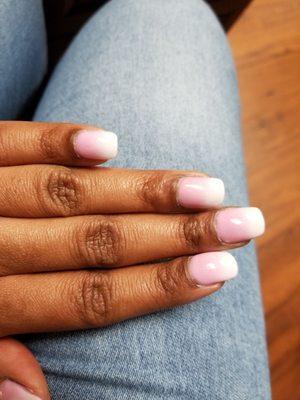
(23, 142)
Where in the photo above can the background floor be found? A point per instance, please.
(266, 46)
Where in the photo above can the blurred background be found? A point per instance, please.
(265, 40)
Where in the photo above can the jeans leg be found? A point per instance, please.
(160, 74)
(23, 54)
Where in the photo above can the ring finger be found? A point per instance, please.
(85, 299)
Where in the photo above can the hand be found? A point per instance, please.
(57, 221)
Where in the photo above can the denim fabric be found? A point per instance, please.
(160, 75)
(23, 54)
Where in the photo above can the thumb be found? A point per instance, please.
(21, 377)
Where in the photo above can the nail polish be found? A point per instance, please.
(211, 268)
(200, 192)
(234, 225)
(95, 144)
(10, 390)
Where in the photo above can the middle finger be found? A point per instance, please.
(32, 245)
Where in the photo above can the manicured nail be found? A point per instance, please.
(200, 192)
(210, 268)
(234, 225)
(10, 390)
(96, 144)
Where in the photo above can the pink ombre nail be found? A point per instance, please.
(10, 390)
(96, 144)
(234, 225)
(200, 192)
(210, 268)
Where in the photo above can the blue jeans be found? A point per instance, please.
(160, 74)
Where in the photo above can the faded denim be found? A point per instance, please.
(158, 73)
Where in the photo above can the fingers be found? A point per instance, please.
(54, 143)
(87, 299)
(21, 376)
(47, 191)
(28, 245)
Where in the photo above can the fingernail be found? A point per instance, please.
(234, 225)
(10, 390)
(200, 192)
(210, 268)
(96, 144)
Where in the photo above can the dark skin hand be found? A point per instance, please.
(61, 220)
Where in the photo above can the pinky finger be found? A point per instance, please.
(89, 299)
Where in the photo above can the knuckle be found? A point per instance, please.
(49, 145)
(159, 189)
(93, 298)
(99, 242)
(169, 279)
(194, 231)
(61, 192)
(156, 190)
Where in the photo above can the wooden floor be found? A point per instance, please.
(266, 47)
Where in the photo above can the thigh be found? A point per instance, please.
(23, 51)
(160, 74)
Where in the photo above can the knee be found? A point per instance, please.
(168, 36)
(173, 34)
(161, 16)
(171, 7)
